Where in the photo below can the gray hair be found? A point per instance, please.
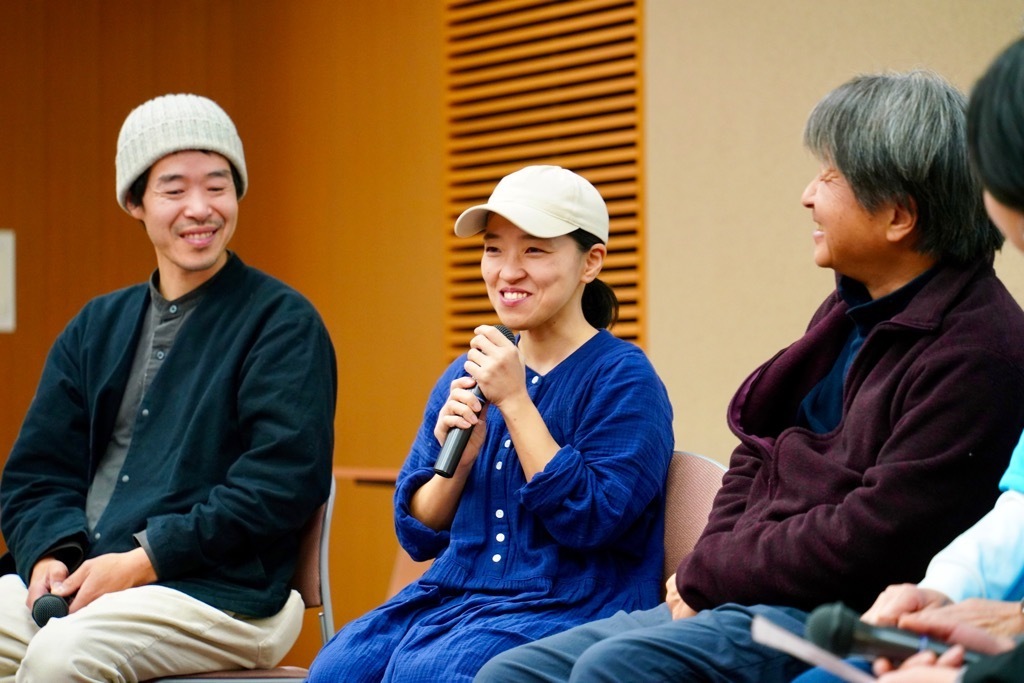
(901, 138)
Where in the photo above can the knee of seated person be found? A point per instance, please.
(605, 662)
(504, 667)
(60, 652)
(630, 657)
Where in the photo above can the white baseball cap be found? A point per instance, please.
(544, 201)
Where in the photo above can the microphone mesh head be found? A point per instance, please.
(507, 332)
(831, 627)
(47, 607)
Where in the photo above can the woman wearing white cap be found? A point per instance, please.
(554, 514)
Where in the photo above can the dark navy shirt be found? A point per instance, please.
(822, 408)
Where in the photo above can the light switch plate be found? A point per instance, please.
(7, 281)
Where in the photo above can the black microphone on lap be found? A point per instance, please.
(48, 606)
(838, 629)
(455, 442)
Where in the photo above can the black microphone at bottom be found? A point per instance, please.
(455, 442)
(48, 606)
(838, 629)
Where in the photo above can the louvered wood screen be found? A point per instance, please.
(542, 82)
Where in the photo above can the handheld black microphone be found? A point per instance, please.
(838, 629)
(455, 442)
(48, 606)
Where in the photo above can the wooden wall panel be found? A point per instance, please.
(538, 82)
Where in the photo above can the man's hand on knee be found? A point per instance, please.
(107, 574)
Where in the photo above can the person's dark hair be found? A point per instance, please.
(600, 305)
(902, 138)
(138, 188)
(995, 127)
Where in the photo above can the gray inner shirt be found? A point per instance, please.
(163, 322)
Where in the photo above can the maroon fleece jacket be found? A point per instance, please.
(933, 405)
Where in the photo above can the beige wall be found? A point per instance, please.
(728, 86)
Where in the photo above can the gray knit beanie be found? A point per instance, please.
(174, 123)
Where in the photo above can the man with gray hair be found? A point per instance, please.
(180, 437)
(867, 444)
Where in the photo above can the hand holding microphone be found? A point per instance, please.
(838, 629)
(48, 573)
(455, 442)
(48, 606)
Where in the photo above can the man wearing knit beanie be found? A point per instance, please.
(180, 437)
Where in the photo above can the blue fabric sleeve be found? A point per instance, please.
(600, 482)
(1013, 478)
(987, 560)
(420, 541)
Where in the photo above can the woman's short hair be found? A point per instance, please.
(995, 127)
(901, 138)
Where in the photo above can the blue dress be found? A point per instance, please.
(579, 542)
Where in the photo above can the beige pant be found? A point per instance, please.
(136, 634)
